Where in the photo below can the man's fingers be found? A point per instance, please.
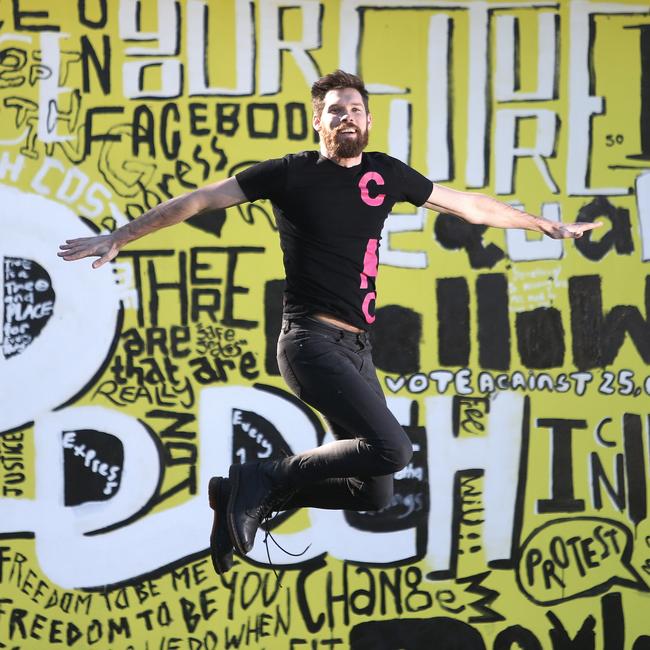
(107, 257)
(588, 226)
(70, 249)
(76, 255)
(577, 229)
(99, 246)
(69, 243)
(77, 252)
(73, 246)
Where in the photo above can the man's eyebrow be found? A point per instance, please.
(338, 105)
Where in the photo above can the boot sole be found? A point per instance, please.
(233, 474)
(221, 562)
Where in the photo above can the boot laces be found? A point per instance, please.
(274, 506)
(273, 502)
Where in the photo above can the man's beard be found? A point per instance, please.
(339, 146)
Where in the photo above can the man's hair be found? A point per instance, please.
(334, 81)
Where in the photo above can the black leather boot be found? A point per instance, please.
(221, 547)
(256, 490)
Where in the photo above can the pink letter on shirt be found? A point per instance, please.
(363, 186)
(370, 263)
(365, 308)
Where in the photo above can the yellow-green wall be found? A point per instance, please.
(518, 365)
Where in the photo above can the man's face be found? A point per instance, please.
(344, 123)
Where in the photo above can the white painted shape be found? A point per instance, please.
(272, 46)
(166, 39)
(199, 56)
(15, 38)
(73, 185)
(171, 73)
(94, 205)
(346, 543)
(167, 33)
(497, 453)
(477, 95)
(507, 151)
(582, 105)
(13, 167)
(74, 342)
(505, 69)
(438, 153)
(48, 164)
(350, 12)
(68, 557)
(399, 130)
(398, 223)
(643, 209)
(138, 478)
(49, 89)
(400, 407)
(501, 480)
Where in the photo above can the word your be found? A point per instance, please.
(259, 69)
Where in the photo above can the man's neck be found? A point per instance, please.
(343, 162)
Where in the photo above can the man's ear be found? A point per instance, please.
(369, 121)
(315, 122)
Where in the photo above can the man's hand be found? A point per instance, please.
(220, 195)
(557, 230)
(105, 247)
(484, 210)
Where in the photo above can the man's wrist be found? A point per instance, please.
(546, 226)
(120, 236)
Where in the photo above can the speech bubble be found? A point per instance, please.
(572, 558)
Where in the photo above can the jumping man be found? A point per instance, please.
(330, 206)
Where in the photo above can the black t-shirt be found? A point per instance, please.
(330, 220)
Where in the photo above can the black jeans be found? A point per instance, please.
(331, 370)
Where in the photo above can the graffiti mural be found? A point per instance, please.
(518, 366)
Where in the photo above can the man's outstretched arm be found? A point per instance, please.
(484, 210)
(222, 194)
